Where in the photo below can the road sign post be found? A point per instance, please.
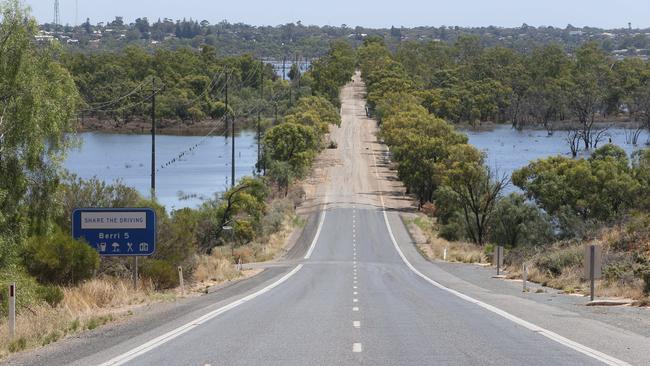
(593, 267)
(135, 272)
(12, 310)
(498, 253)
(118, 232)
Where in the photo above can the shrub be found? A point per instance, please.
(59, 259)
(646, 282)
(161, 273)
(18, 345)
(53, 295)
(556, 261)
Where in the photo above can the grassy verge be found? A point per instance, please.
(84, 307)
(558, 266)
(99, 301)
(423, 231)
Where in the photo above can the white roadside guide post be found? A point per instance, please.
(444, 255)
(593, 266)
(180, 279)
(12, 310)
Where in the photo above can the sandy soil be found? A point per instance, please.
(355, 173)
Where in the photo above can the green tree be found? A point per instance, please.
(590, 78)
(294, 72)
(57, 258)
(292, 143)
(38, 99)
(600, 188)
(517, 222)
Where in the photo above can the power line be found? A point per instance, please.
(193, 147)
(144, 82)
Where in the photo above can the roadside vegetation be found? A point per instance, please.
(63, 285)
(562, 203)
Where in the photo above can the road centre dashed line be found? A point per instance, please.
(357, 348)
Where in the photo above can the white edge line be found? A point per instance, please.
(158, 341)
(602, 357)
(320, 227)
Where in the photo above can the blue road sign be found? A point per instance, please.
(116, 231)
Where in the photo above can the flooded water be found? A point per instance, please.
(204, 167)
(508, 149)
(201, 171)
(282, 68)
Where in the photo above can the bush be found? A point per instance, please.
(452, 231)
(59, 259)
(161, 273)
(555, 262)
(53, 295)
(646, 280)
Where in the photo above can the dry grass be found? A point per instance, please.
(215, 268)
(423, 231)
(569, 280)
(102, 300)
(567, 275)
(84, 307)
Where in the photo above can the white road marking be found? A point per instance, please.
(355, 300)
(356, 324)
(602, 357)
(356, 347)
(354, 287)
(355, 293)
(158, 341)
(313, 242)
(355, 281)
(356, 308)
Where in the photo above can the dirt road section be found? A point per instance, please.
(345, 176)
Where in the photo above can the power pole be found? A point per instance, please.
(232, 125)
(259, 119)
(299, 70)
(153, 138)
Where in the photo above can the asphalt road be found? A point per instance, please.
(355, 302)
(352, 292)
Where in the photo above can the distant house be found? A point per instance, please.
(44, 38)
(576, 33)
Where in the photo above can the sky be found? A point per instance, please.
(367, 13)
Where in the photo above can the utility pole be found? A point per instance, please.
(299, 70)
(284, 68)
(153, 138)
(275, 121)
(232, 125)
(259, 119)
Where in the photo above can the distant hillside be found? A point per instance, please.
(294, 40)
